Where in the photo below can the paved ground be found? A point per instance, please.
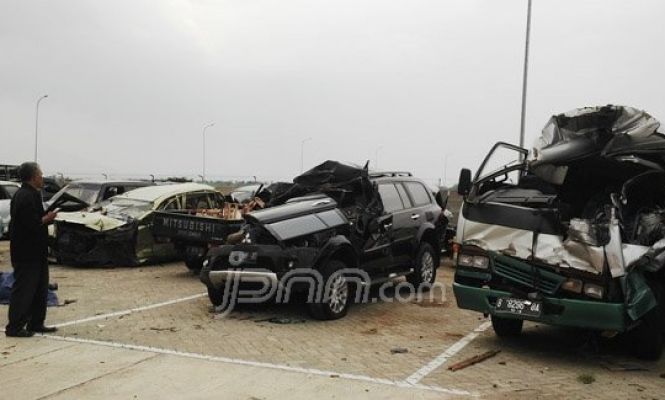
(130, 326)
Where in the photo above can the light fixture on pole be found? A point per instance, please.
(302, 153)
(37, 122)
(526, 69)
(203, 177)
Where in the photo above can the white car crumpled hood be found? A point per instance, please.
(94, 220)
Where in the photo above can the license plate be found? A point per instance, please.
(528, 308)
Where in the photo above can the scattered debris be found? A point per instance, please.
(399, 350)
(343, 358)
(454, 335)
(6, 353)
(473, 360)
(198, 327)
(334, 375)
(282, 321)
(170, 329)
(371, 331)
(586, 379)
(502, 363)
(69, 301)
(615, 366)
(100, 326)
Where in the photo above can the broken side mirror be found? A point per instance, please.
(464, 184)
(442, 197)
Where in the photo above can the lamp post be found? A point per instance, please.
(526, 69)
(376, 157)
(37, 122)
(302, 153)
(203, 177)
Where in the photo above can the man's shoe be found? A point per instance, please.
(20, 333)
(44, 329)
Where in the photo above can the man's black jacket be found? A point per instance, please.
(28, 236)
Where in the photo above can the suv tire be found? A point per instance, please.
(426, 263)
(507, 327)
(336, 293)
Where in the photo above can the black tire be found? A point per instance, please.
(194, 264)
(647, 341)
(336, 294)
(506, 327)
(426, 263)
(216, 296)
(647, 338)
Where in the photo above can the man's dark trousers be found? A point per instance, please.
(29, 294)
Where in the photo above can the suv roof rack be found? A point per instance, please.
(378, 174)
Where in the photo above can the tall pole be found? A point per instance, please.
(376, 157)
(203, 177)
(302, 153)
(37, 122)
(526, 69)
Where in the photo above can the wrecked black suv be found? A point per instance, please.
(334, 232)
(572, 234)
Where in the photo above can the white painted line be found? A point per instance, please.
(446, 355)
(131, 310)
(288, 368)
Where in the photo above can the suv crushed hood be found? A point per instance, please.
(299, 217)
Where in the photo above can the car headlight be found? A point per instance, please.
(594, 291)
(572, 285)
(467, 260)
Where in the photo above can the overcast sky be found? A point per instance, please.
(131, 83)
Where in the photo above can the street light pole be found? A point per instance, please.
(302, 153)
(203, 177)
(376, 157)
(526, 69)
(37, 122)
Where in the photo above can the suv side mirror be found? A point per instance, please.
(464, 184)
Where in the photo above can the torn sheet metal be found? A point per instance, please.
(95, 221)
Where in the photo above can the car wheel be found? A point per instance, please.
(506, 327)
(194, 264)
(647, 338)
(336, 294)
(425, 267)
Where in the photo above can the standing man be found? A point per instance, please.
(28, 234)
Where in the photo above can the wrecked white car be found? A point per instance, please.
(7, 190)
(118, 231)
(573, 233)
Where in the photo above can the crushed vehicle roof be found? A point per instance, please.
(156, 193)
(603, 130)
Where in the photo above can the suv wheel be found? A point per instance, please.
(336, 293)
(425, 268)
(506, 327)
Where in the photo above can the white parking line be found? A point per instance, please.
(236, 361)
(446, 355)
(131, 310)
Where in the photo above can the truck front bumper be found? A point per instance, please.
(556, 311)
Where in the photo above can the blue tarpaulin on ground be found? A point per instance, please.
(6, 283)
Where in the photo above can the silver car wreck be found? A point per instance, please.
(573, 233)
(118, 231)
